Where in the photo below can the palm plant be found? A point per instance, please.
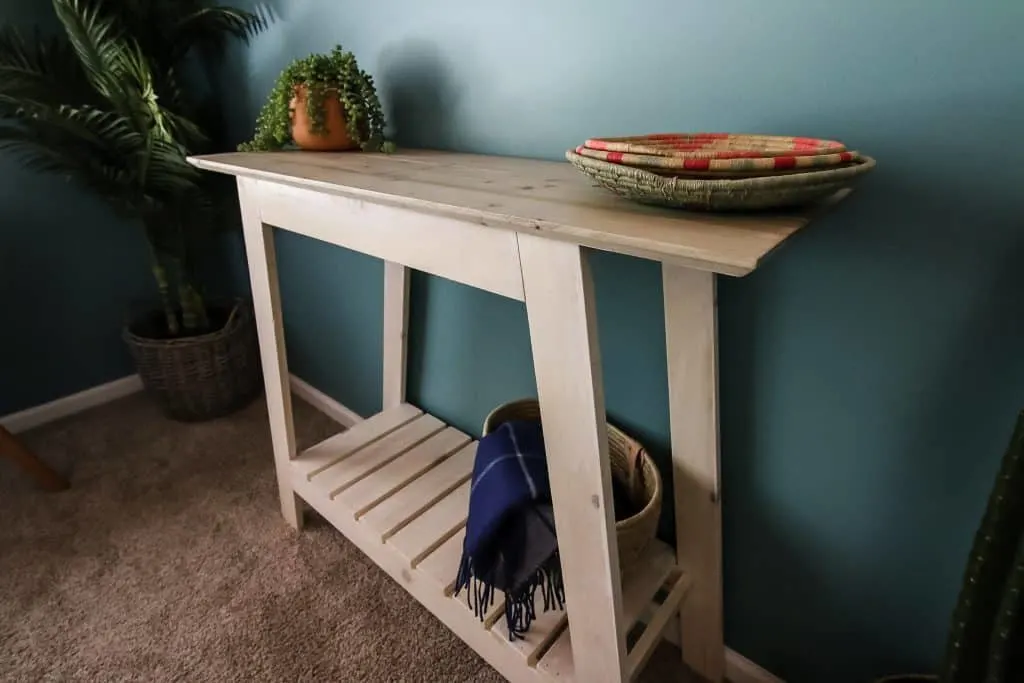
(104, 103)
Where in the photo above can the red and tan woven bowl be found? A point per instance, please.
(765, 191)
(718, 154)
(716, 145)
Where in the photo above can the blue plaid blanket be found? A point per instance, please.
(510, 532)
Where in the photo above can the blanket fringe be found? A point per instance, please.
(520, 604)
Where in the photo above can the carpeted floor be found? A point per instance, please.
(168, 561)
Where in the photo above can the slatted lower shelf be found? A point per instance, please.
(397, 485)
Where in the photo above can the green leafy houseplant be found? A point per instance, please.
(104, 104)
(317, 79)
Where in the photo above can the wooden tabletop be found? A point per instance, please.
(541, 197)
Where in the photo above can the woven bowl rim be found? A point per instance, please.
(722, 145)
(709, 167)
(814, 177)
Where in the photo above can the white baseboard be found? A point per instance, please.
(738, 669)
(343, 415)
(31, 418)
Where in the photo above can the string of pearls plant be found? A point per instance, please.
(335, 74)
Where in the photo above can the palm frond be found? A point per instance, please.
(168, 173)
(45, 70)
(24, 145)
(103, 134)
(97, 41)
(208, 29)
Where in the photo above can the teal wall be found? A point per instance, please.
(870, 371)
(68, 272)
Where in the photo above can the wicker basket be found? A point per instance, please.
(745, 194)
(630, 464)
(202, 377)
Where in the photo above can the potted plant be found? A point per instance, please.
(103, 103)
(322, 102)
(986, 637)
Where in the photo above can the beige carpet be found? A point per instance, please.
(168, 561)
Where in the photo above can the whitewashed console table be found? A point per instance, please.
(397, 484)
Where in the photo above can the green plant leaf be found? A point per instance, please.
(96, 40)
(105, 104)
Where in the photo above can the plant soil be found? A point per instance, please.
(153, 325)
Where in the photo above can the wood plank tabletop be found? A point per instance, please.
(544, 198)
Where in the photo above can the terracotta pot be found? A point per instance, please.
(336, 138)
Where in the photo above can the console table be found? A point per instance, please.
(397, 485)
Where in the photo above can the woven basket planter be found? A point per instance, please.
(201, 377)
(630, 465)
(744, 194)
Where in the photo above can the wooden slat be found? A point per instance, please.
(266, 299)
(545, 629)
(423, 588)
(433, 526)
(442, 564)
(396, 323)
(567, 362)
(386, 481)
(691, 346)
(495, 612)
(557, 661)
(644, 580)
(391, 514)
(545, 198)
(364, 461)
(640, 586)
(324, 454)
(649, 639)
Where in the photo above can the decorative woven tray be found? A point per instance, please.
(716, 145)
(745, 194)
(708, 166)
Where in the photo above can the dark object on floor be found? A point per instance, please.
(201, 377)
(510, 543)
(43, 474)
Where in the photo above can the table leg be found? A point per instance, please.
(44, 475)
(691, 339)
(396, 325)
(266, 296)
(560, 310)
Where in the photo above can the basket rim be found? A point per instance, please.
(652, 502)
(809, 178)
(240, 313)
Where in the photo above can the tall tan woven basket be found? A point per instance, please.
(630, 465)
